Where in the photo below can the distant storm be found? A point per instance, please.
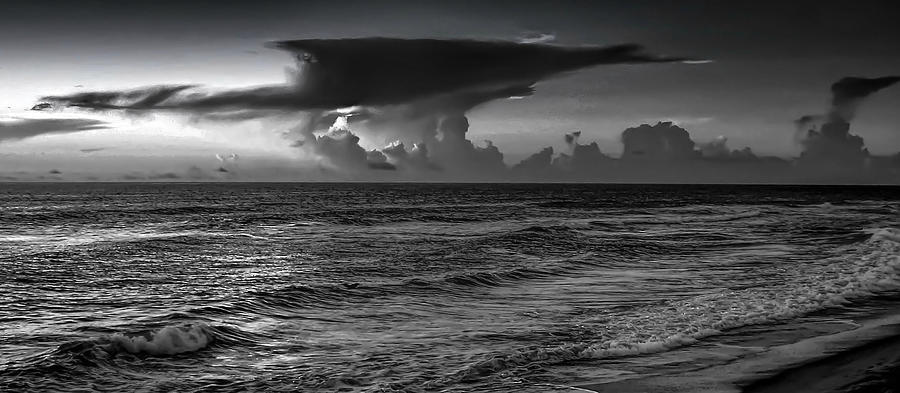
(453, 92)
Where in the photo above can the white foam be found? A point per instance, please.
(888, 234)
(169, 340)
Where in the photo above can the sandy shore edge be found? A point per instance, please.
(870, 367)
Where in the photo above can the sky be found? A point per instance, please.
(770, 64)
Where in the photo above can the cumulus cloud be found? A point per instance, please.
(583, 158)
(662, 141)
(377, 160)
(826, 139)
(537, 164)
(340, 149)
(834, 142)
(17, 128)
(454, 152)
(579, 158)
(415, 159)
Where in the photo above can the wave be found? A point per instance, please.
(887, 234)
(678, 218)
(170, 340)
(330, 295)
(535, 235)
(80, 357)
(498, 278)
(874, 268)
(280, 301)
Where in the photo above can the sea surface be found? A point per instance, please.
(456, 288)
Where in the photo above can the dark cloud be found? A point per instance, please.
(337, 73)
(662, 141)
(453, 152)
(830, 146)
(412, 90)
(339, 147)
(849, 91)
(380, 71)
(668, 154)
(377, 160)
(580, 158)
(584, 158)
(21, 128)
(834, 143)
(537, 164)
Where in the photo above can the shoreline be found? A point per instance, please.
(871, 367)
(830, 363)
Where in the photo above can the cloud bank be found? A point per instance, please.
(412, 95)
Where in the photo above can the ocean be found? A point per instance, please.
(438, 287)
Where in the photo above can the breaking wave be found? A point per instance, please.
(98, 354)
(170, 340)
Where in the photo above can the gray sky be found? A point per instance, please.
(773, 63)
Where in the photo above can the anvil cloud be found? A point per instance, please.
(339, 73)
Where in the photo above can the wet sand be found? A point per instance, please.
(832, 366)
(874, 367)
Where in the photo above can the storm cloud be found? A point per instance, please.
(410, 99)
(416, 91)
(339, 73)
(830, 146)
(848, 92)
(662, 141)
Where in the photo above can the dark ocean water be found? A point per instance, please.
(367, 287)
